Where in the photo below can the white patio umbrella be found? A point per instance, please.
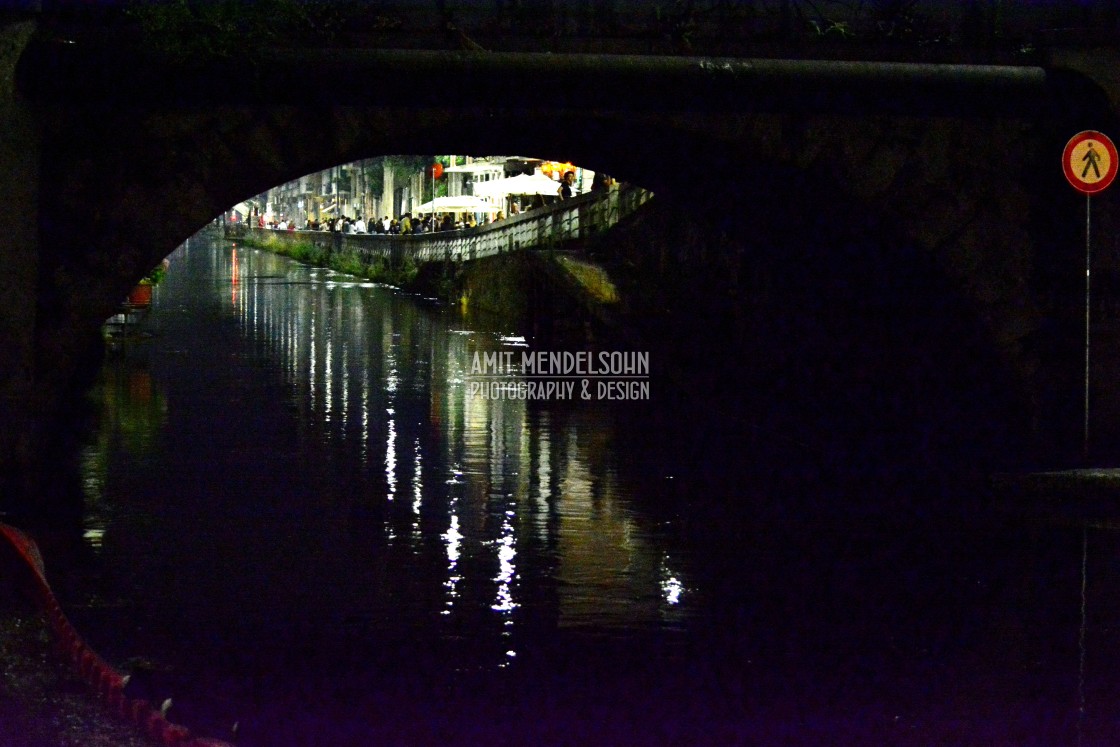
(522, 184)
(459, 204)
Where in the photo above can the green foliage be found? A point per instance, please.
(380, 270)
(377, 269)
(155, 277)
(406, 273)
(351, 265)
(302, 251)
(593, 279)
(189, 29)
(308, 254)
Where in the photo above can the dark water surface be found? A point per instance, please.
(301, 520)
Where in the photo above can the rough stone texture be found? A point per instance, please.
(128, 182)
(1101, 65)
(20, 408)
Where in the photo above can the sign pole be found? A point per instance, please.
(1088, 312)
(1090, 163)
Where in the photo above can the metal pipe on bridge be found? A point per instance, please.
(78, 73)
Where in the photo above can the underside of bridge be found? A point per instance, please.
(850, 270)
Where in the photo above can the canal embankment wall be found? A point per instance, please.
(523, 267)
(390, 258)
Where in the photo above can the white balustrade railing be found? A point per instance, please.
(576, 218)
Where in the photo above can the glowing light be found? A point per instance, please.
(453, 537)
(365, 415)
(507, 552)
(311, 364)
(328, 376)
(671, 590)
(236, 277)
(456, 476)
(93, 536)
(417, 489)
(391, 455)
(344, 406)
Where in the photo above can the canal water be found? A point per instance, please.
(300, 521)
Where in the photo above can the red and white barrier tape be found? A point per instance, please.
(104, 679)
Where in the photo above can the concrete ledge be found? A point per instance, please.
(79, 73)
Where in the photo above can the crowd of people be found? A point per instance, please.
(430, 223)
(404, 225)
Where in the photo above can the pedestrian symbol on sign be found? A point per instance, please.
(1091, 157)
(1090, 161)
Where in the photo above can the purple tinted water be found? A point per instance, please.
(303, 522)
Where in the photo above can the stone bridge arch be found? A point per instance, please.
(965, 192)
(121, 180)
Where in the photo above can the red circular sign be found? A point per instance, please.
(436, 170)
(1090, 161)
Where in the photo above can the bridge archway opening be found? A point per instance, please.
(483, 188)
(827, 330)
(782, 251)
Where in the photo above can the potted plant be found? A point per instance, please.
(141, 294)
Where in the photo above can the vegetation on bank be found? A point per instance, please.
(592, 279)
(187, 29)
(548, 292)
(431, 279)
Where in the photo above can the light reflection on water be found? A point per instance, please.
(290, 477)
(507, 506)
(609, 570)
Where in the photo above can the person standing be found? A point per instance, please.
(566, 183)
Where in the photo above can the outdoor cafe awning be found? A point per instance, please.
(459, 204)
(522, 184)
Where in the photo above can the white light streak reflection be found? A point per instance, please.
(93, 537)
(491, 465)
(391, 454)
(328, 377)
(392, 379)
(672, 588)
(311, 364)
(344, 407)
(417, 490)
(456, 476)
(453, 538)
(507, 571)
(504, 603)
(293, 345)
(365, 414)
